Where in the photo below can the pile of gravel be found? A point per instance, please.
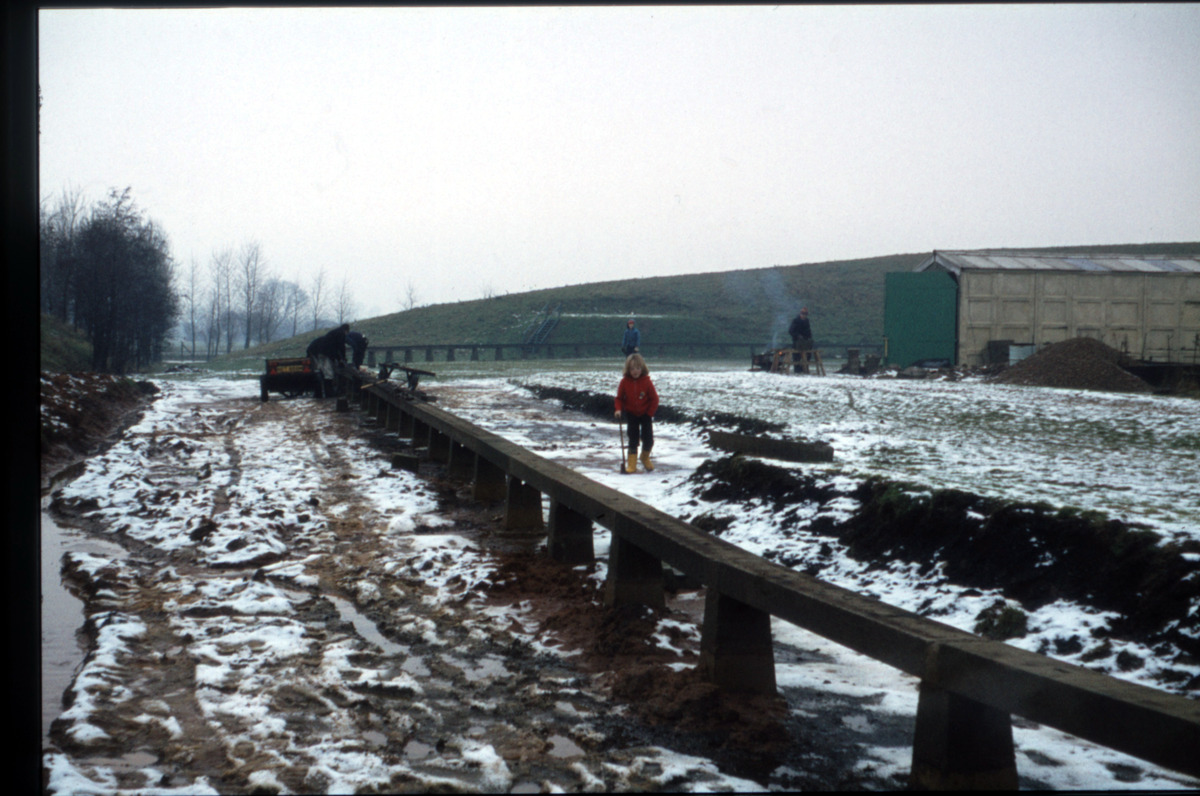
(1081, 363)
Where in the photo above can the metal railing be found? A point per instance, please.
(450, 352)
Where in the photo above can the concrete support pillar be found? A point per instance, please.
(490, 483)
(408, 355)
(461, 466)
(392, 421)
(420, 436)
(499, 353)
(634, 577)
(406, 461)
(405, 425)
(439, 446)
(735, 646)
(570, 537)
(960, 744)
(429, 354)
(523, 507)
(449, 354)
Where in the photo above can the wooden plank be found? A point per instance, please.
(1151, 724)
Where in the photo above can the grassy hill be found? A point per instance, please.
(845, 300)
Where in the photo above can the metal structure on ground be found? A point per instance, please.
(970, 686)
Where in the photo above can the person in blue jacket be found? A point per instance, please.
(631, 340)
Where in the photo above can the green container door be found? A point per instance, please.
(920, 313)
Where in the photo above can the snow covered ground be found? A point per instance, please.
(235, 532)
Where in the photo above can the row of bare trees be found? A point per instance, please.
(239, 301)
(108, 271)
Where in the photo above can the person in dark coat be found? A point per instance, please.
(358, 346)
(801, 331)
(328, 349)
(631, 340)
(802, 339)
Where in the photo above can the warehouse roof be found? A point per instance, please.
(958, 261)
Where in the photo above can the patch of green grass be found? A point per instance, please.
(64, 349)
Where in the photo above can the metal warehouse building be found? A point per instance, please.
(970, 307)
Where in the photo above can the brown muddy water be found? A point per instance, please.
(61, 613)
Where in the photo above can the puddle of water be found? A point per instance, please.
(366, 628)
(416, 666)
(62, 613)
(480, 669)
(561, 746)
(134, 761)
(375, 738)
(417, 750)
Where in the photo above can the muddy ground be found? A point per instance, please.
(617, 674)
(618, 678)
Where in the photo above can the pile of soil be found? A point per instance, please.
(1036, 554)
(1033, 553)
(1081, 363)
(83, 412)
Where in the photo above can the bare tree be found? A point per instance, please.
(344, 301)
(297, 300)
(191, 295)
(268, 309)
(317, 296)
(410, 295)
(221, 269)
(252, 274)
(60, 255)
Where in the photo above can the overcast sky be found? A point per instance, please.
(466, 151)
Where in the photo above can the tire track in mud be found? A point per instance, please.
(146, 708)
(443, 686)
(476, 682)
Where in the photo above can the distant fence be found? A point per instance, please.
(970, 686)
(474, 352)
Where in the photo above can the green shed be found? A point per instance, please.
(920, 313)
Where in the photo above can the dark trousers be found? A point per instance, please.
(640, 429)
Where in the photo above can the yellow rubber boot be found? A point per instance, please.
(646, 461)
(631, 465)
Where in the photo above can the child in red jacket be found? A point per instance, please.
(637, 401)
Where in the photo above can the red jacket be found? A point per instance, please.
(637, 396)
